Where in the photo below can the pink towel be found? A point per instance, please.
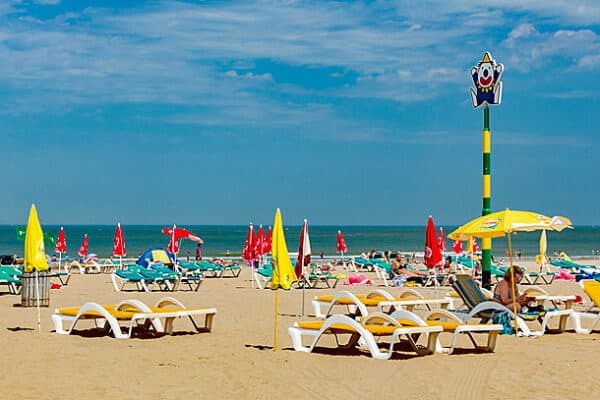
(360, 279)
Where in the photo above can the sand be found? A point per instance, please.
(236, 359)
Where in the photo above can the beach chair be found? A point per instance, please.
(262, 276)
(90, 267)
(591, 288)
(165, 280)
(121, 277)
(12, 282)
(192, 280)
(210, 269)
(362, 263)
(366, 333)
(450, 323)
(380, 299)
(479, 306)
(317, 275)
(133, 314)
(233, 269)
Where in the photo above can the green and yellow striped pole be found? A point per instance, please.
(486, 243)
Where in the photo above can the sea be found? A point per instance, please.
(583, 241)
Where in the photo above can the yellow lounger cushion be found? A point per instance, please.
(120, 315)
(375, 330)
(592, 289)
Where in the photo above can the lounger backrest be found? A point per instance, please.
(592, 289)
(469, 291)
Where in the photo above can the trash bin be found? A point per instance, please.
(29, 292)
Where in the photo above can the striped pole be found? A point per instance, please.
(486, 243)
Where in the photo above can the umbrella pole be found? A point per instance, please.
(513, 283)
(59, 260)
(303, 286)
(37, 297)
(276, 319)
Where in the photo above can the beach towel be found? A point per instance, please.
(360, 279)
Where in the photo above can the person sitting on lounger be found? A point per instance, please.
(400, 272)
(504, 290)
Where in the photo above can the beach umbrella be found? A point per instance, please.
(542, 258)
(83, 250)
(283, 272)
(119, 245)
(433, 256)
(304, 253)
(268, 240)
(182, 233)
(457, 247)
(155, 254)
(35, 254)
(506, 222)
(61, 245)
(173, 245)
(340, 246)
(248, 252)
(259, 245)
(442, 240)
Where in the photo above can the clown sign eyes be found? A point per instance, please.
(486, 77)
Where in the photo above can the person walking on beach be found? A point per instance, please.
(198, 252)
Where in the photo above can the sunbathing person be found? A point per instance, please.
(504, 289)
(400, 272)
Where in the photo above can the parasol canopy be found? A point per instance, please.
(155, 254)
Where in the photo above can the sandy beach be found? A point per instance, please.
(236, 359)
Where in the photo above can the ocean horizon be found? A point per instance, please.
(582, 241)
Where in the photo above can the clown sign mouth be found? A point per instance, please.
(485, 81)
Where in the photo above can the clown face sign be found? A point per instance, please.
(486, 77)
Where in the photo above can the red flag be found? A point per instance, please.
(433, 255)
(61, 243)
(267, 247)
(457, 247)
(248, 253)
(442, 240)
(341, 244)
(173, 245)
(303, 250)
(259, 246)
(83, 250)
(119, 242)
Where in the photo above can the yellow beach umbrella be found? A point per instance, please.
(500, 223)
(542, 258)
(283, 272)
(505, 222)
(35, 253)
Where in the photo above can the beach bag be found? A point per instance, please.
(503, 318)
(398, 281)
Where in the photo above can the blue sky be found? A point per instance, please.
(339, 112)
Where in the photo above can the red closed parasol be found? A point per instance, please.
(83, 250)
(433, 255)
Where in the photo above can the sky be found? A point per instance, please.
(345, 113)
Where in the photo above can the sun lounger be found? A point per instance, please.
(591, 288)
(451, 324)
(121, 278)
(366, 332)
(479, 306)
(262, 276)
(13, 283)
(132, 314)
(90, 267)
(380, 299)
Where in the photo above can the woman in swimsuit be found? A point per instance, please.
(503, 293)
